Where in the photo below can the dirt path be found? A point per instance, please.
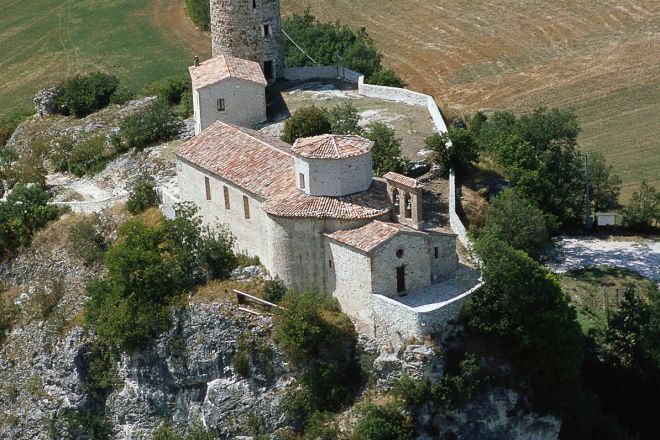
(170, 15)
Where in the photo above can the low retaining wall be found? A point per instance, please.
(454, 220)
(395, 323)
(320, 72)
(168, 201)
(87, 207)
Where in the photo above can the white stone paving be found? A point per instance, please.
(641, 256)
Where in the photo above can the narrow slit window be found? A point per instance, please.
(226, 194)
(435, 252)
(207, 184)
(302, 181)
(221, 104)
(330, 263)
(246, 207)
(254, 4)
(267, 30)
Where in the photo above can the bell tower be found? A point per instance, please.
(249, 29)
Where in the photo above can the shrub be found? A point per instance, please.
(462, 153)
(643, 210)
(24, 211)
(344, 119)
(142, 197)
(199, 12)
(148, 126)
(170, 90)
(82, 95)
(386, 77)
(7, 316)
(382, 422)
(308, 121)
(122, 95)
(386, 152)
(88, 156)
(88, 238)
(86, 425)
(459, 387)
(102, 377)
(274, 290)
(412, 392)
(8, 123)
(252, 352)
(513, 219)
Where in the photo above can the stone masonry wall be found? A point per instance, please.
(237, 30)
(245, 104)
(384, 262)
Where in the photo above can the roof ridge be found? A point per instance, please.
(334, 143)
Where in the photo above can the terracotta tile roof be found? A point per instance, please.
(264, 167)
(330, 146)
(244, 157)
(369, 204)
(368, 237)
(224, 66)
(403, 180)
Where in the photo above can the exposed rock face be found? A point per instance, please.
(45, 101)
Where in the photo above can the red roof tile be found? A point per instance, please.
(368, 237)
(330, 146)
(403, 180)
(224, 66)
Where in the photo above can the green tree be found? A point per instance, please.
(344, 119)
(142, 197)
(82, 95)
(643, 210)
(604, 183)
(382, 422)
(386, 77)
(457, 148)
(306, 122)
(386, 152)
(150, 125)
(199, 12)
(514, 220)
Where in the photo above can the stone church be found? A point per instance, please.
(312, 212)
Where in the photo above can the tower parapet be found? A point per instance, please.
(249, 29)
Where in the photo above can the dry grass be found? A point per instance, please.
(222, 290)
(600, 57)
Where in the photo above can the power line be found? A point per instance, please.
(299, 48)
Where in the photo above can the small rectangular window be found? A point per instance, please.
(266, 30)
(207, 184)
(221, 105)
(435, 252)
(302, 181)
(254, 4)
(330, 263)
(225, 190)
(246, 207)
(269, 72)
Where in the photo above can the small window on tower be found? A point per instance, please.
(221, 105)
(435, 252)
(254, 4)
(302, 181)
(266, 30)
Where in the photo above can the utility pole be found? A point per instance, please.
(587, 223)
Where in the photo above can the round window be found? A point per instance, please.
(399, 253)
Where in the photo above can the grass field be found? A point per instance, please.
(43, 41)
(601, 57)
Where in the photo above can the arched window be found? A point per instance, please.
(408, 206)
(395, 197)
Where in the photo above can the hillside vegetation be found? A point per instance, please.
(599, 57)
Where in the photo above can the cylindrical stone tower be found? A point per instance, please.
(249, 29)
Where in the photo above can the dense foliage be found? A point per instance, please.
(306, 122)
(85, 94)
(323, 42)
(538, 153)
(142, 196)
(195, 432)
(25, 210)
(643, 210)
(147, 270)
(456, 149)
(604, 184)
(514, 220)
(153, 124)
(382, 422)
(386, 152)
(199, 12)
(9, 122)
(89, 238)
(316, 336)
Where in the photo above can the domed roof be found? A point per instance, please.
(331, 146)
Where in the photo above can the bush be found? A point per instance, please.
(82, 95)
(199, 12)
(7, 316)
(643, 211)
(274, 290)
(386, 152)
(24, 211)
(8, 123)
(88, 156)
(253, 352)
(142, 197)
(148, 126)
(88, 238)
(344, 119)
(382, 422)
(386, 77)
(461, 154)
(412, 392)
(86, 425)
(514, 220)
(459, 387)
(170, 90)
(122, 95)
(306, 122)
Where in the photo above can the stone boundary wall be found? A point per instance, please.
(89, 206)
(454, 220)
(167, 202)
(396, 323)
